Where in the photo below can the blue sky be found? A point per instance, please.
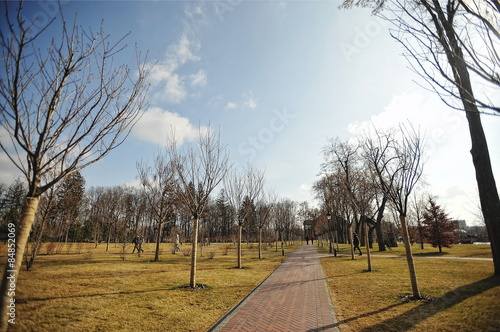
(278, 78)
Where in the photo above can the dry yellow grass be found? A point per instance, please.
(457, 250)
(101, 292)
(466, 296)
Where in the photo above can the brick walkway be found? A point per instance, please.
(294, 298)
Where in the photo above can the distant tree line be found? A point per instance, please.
(117, 214)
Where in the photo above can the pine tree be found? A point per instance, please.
(438, 228)
(68, 202)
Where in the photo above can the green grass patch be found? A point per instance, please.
(464, 296)
(96, 290)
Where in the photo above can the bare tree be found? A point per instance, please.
(199, 167)
(63, 105)
(399, 169)
(264, 208)
(158, 183)
(284, 218)
(418, 205)
(376, 146)
(241, 187)
(342, 160)
(454, 45)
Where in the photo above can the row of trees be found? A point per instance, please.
(363, 177)
(453, 45)
(118, 214)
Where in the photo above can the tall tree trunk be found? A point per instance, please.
(409, 257)
(11, 272)
(109, 237)
(379, 230)
(194, 253)
(276, 233)
(379, 224)
(158, 240)
(368, 253)
(240, 233)
(330, 240)
(260, 242)
(351, 238)
(488, 193)
(67, 235)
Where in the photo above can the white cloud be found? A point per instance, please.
(249, 100)
(174, 90)
(182, 52)
(230, 106)
(166, 83)
(401, 108)
(156, 123)
(8, 171)
(195, 13)
(199, 79)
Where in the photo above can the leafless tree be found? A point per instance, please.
(64, 105)
(376, 146)
(284, 219)
(199, 167)
(240, 187)
(454, 45)
(158, 183)
(399, 167)
(342, 159)
(264, 208)
(418, 205)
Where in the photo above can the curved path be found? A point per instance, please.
(294, 298)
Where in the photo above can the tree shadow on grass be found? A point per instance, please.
(412, 317)
(345, 321)
(430, 254)
(76, 296)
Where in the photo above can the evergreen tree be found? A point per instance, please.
(69, 199)
(10, 203)
(438, 228)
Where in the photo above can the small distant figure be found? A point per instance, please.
(307, 240)
(312, 239)
(138, 245)
(356, 243)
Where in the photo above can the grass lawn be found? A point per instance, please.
(457, 250)
(98, 291)
(464, 295)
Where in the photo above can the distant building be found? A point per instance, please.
(309, 228)
(460, 224)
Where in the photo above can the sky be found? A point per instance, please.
(278, 78)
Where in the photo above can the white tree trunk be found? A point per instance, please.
(9, 280)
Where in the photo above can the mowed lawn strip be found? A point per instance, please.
(465, 296)
(457, 250)
(101, 292)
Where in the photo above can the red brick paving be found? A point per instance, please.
(294, 298)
